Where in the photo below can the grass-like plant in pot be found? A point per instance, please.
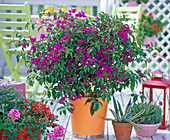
(150, 120)
(123, 122)
(25, 119)
(78, 55)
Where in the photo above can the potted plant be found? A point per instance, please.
(84, 58)
(123, 122)
(25, 119)
(149, 121)
(151, 28)
(134, 2)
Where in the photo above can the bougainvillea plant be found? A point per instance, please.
(150, 26)
(79, 54)
(25, 119)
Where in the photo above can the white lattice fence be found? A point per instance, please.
(159, 8)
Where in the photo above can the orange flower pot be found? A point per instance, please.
(84, 125)
(122, 130)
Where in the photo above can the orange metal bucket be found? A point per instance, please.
(84, 125)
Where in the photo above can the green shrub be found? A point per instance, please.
(152, 115)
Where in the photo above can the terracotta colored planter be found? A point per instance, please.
(147, 129)
(84, 125)
(148, 40)
(132, 3)
(122, 130)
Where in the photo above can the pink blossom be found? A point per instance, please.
(42, 36)
(62, 99)
(103, 87)
(71, 110)
(70, 79)
(57, 133)
(51, 135)
(32, 40)
(147, 45)
(121, 73)
(93, 59)
(14, 114)
(123, 78)
(52, 115)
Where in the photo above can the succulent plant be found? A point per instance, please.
(127, 116)
(152, 114)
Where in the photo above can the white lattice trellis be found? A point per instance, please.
(159, 8)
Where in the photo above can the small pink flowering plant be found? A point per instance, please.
(58, 132)
(79, 54)
(25, 119)
(14, 114)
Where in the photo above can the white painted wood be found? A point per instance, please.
(103, 5)
(162, 135)
(110, 130)
(58, 2)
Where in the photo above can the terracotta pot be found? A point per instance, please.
(148, 40)
(122, 130)
(84, 125)
(132, 3)
(147, 129)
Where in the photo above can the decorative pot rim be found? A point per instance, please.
(149, 125)
(122, 124)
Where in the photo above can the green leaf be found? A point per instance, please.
(120, 109)
(39, 28)
(107, 119)
(88, 38)
(133, 123)
(33, 26)
(27, 24)
(96, 107)
(49, 94)
(128, 107)
(64, 112)
(91, 110)
(113, 113)
(116, 109)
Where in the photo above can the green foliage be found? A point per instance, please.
(152, 115)
(127, 116)
(150, 26)
(137, 96)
